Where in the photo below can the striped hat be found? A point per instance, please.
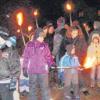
(11, 41)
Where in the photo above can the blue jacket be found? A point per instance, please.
(69, 61)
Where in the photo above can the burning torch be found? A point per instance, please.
(19, 18)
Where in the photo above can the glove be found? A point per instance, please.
(25, 72)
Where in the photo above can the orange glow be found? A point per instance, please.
(68, 7)
(18, 31)
(30, 28)
(19, 18)
(89, 62)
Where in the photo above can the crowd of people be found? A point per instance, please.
(52, 58)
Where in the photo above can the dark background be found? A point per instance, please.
(49, 9)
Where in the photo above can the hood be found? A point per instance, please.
(96, 36)
(97, 24)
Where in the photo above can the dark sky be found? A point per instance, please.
(52, 8)
(89, 2)
(93, 3)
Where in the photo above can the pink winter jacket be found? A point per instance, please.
(37, 57)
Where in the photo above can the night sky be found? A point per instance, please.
(53, 8)
(50, 9)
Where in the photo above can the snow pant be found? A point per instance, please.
(42, 81)
(60, 77)
(52, 77)
(71, 81)
(5, 93)
(82, 83)
(95, 75)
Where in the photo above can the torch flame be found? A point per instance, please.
(29, 28)
(35, 12)
(19, 18)
(89, 62)
(68, 6)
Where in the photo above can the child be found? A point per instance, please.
(93, 52)
(36, 62)
(70, 64)
(23, 82)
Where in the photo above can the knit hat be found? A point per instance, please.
(93, 34)
(11, 41)
(96, 36)
(97, 24)
(38, 32)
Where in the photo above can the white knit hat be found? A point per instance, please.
(96, 36)
(11, 41)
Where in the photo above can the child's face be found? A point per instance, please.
(95, 40)
(51, 30)
(73, 50)
(74, 33)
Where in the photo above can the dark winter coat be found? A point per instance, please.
(10, 66)
(49, 40)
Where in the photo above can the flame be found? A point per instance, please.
(19, 18)
(29, 28)
(35, 12)
(89, 62)
(68, 6)
(18, 30)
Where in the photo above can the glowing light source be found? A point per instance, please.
(29, 28)
(35, 12)
(18, 30)
(89, 62)
(68, 6)
(19, 18)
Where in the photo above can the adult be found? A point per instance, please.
(9, 64)
(76, 38)
(96, 28)
(49, 37)
(58, 38)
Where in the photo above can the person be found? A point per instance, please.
(49, 39)
(70, 63)
(60, 24)
(49, 36)
(60, 82)
(36, 61)
(57, 43)
(23, 82)
(76, 38)
(93, 52)
(9, 65)
(58, 38)
(96, 26)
